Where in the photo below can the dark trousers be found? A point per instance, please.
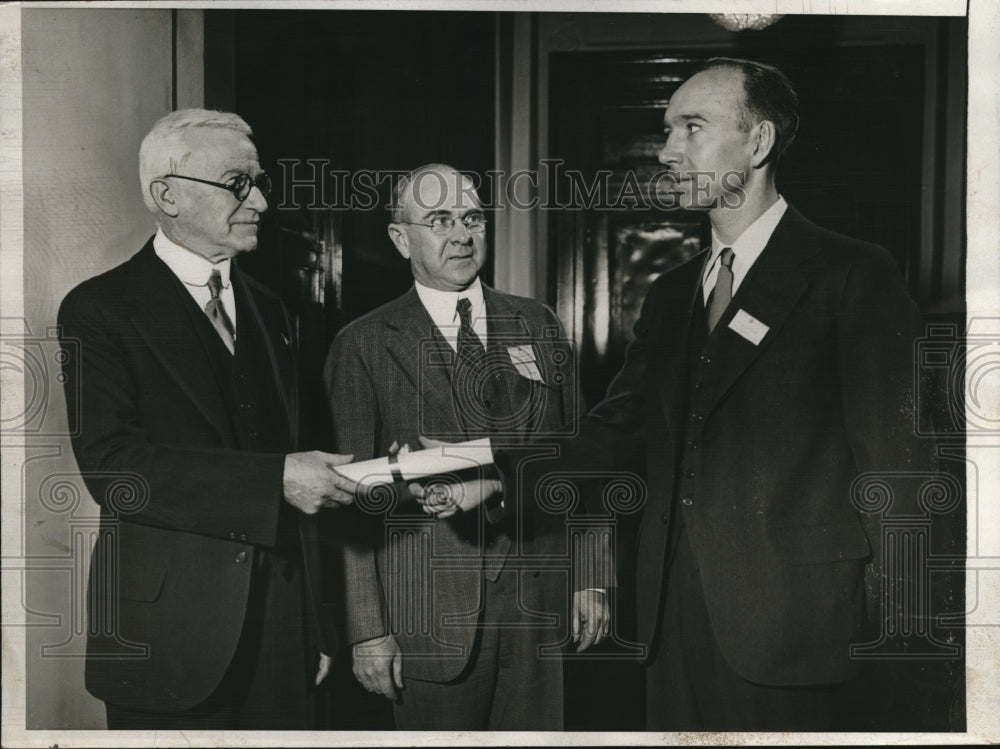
(508, 685)
(690, 687)
(265, 687)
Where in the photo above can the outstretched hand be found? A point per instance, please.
(311, 483)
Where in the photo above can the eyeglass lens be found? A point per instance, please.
(244, 183)
(474, 222)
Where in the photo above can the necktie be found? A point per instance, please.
(722, 294)
(216, 311)
(470, 348)
(468, 380)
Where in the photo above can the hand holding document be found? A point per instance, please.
(441, 459)
(442, 498)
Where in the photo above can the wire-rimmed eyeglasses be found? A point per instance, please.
(474, 222)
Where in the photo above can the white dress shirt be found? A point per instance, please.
(442, 306)
(193, 270)
(746, 248)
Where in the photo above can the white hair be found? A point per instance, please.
(162, 141)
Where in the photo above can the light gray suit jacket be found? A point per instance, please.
(388, 379)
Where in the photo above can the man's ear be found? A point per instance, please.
(764, 144)
(399, 238)
(159, 191)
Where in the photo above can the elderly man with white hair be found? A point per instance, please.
(202, 611)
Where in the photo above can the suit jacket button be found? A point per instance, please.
(687, 501)
(699, 387)
(689, 475)
(232, 536)
(243, 537)
(241, 557)
(665, 517)
(696, 416)
(706, 359)
(692, 444)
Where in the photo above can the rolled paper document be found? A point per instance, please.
(434, 461)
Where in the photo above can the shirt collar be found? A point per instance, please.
(750, 244)
(188, 266)
(442, 305)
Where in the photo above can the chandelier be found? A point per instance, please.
(745, 21)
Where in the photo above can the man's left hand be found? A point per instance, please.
(442, 500)
(591, 618)
(324, 668)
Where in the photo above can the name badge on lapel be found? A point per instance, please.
(523, 359)
(749, 327)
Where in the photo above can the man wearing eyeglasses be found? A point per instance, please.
(457, 619)
(186, 393)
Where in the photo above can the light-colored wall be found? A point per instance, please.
(93, 83)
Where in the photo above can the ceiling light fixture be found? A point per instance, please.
(745, 21)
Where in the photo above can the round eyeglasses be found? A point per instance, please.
(240, 185)
(474, 222)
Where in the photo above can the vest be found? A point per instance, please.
(697, 371)
(252, 398)
(488, 406)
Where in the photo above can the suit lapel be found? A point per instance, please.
(279, 353)
(425, 359)
(163, 320)
(769, 293)
(507, 327)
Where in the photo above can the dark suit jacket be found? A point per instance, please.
(770, 445)
(169, 580)
(387, 376)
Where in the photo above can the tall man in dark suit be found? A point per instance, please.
(767, 374)
(201, 613)
(450, 617)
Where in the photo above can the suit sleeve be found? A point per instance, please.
(354, 410)
(593, 561)
(878, 325)
(215, 492)
(610, 436)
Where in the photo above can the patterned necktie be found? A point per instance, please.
(470, 348)
(467, 380)
(216, 311)
(722, 294)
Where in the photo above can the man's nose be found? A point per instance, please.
(670, 153)
(256, 200)
(460, 233)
